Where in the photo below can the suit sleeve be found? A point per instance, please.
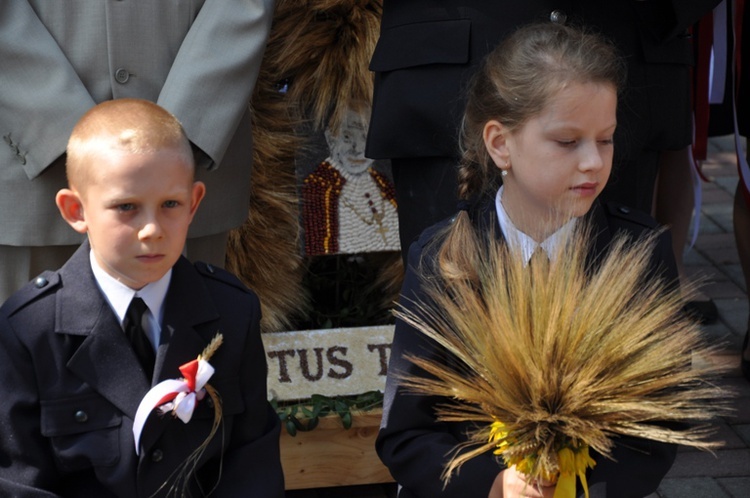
(26, 463)
(636, 468)
(252, 464)
(638, 465)
(411, 442)
(41, 97)
(212, 78)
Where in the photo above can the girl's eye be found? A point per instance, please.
(606, 141)
(566, 143)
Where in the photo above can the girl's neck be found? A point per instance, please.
(539, 228)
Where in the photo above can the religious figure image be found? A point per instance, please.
(347, 205)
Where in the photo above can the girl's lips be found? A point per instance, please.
(586, 188)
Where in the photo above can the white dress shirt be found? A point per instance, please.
(119, 295)
(522, 243)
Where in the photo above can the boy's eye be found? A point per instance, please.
(126, 207)
(171, 204)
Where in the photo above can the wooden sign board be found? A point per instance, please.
(331, 456)
(331, 362)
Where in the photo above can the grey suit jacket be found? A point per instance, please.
(71, 384)
(198, 59)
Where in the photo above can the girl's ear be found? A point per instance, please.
(71, 208)
(495, 136)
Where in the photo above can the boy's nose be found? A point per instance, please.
(150, 229)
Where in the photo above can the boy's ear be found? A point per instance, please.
(495, 136)
(199, 191)
(71, 209)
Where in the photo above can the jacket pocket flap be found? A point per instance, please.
(78, 414)
(419, 44)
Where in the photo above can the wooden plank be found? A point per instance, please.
(330, 455)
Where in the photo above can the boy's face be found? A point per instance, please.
(136, 209)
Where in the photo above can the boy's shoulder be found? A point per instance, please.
(220, 276)
(46, 283)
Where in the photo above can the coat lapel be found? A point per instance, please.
(105, 360)
(186, 331)
(187, 306)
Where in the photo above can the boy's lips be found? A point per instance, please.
(150, 258)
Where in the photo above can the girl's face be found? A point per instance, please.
(559, 160)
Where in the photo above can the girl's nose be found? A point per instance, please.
(592, 158)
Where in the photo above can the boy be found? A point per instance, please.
(70, 379)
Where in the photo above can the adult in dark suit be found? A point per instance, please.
(72, 384)
(198, 59)
(429, 48)
(415, 447)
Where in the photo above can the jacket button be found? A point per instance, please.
(81, 416)
(40, 282)
(157, 456)
(558, 17)
(122, 75)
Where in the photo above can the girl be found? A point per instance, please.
(537, 151)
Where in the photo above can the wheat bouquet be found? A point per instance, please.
(556, 358)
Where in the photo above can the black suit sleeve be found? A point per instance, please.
(26, 465)
(411, 443)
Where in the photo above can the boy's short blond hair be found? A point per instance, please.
(133, 126)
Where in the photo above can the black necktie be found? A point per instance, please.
(137, 335)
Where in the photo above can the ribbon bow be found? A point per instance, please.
(178, 396)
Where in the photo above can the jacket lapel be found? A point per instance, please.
(105, 359)
(186, 331)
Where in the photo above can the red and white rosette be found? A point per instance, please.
(178, 396)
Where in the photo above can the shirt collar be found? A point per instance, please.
(520, 242)
(119, 295)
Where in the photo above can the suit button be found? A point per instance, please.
(157, 456)
(558, 17)
(40, 282)
(81, 416)
(122, 75)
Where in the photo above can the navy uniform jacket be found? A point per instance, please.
(71, 384)
(413, 445)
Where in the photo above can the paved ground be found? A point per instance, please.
(714, 260)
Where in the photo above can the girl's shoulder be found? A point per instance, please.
(624, 217)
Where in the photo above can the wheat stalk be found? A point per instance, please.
(564, 352)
